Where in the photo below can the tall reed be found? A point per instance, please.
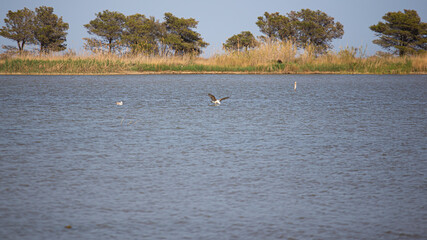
(268, 57)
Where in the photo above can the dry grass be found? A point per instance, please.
(263, 59)
(419, 63)
(266, 54)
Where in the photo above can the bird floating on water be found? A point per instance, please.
(119, 103)
(216, 101)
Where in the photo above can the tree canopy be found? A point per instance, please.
(145, 35)
(107, 25)
(49, 30)
(19, 27)
(306, 27)
(275, 26)
(402, 33)
(181, 37)
(242, 40)
(142, 34)
(316, 28)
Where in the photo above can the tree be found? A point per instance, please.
(315, 28)
(242, 40)
(49, 30)
(305, 28)
(403, 32)
(180, 37)
(142, 34)
(109, 26)
(275, 26)
(19, 27)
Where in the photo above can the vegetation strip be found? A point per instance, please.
(298, 42)
(338, 64)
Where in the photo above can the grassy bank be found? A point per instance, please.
(263, 59)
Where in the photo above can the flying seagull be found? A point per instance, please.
(216, 101)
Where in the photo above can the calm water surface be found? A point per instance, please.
(342, 157)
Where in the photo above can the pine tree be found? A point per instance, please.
(403, 33)
(49, 30)
(19, 27)
(109, 26)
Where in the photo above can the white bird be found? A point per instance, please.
(295, 86)
(216, 101)
(119, 103)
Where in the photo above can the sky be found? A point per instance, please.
(221, 19)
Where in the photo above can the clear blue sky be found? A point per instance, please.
(220, 19)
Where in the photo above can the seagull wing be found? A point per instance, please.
(212, 97)
(223, 98)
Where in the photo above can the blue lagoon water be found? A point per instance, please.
(342, 157)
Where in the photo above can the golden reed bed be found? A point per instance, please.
(268, 58)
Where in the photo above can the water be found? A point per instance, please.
(342, 157)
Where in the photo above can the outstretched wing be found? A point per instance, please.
(212, 97)
(223, 98)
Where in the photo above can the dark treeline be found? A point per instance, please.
(304, 28)
(141, 35)
(401, 33)
(41, 27)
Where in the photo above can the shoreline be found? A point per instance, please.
(199, 73)
(207, 73)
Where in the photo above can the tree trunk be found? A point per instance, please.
(110, 45)
(21, 49)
